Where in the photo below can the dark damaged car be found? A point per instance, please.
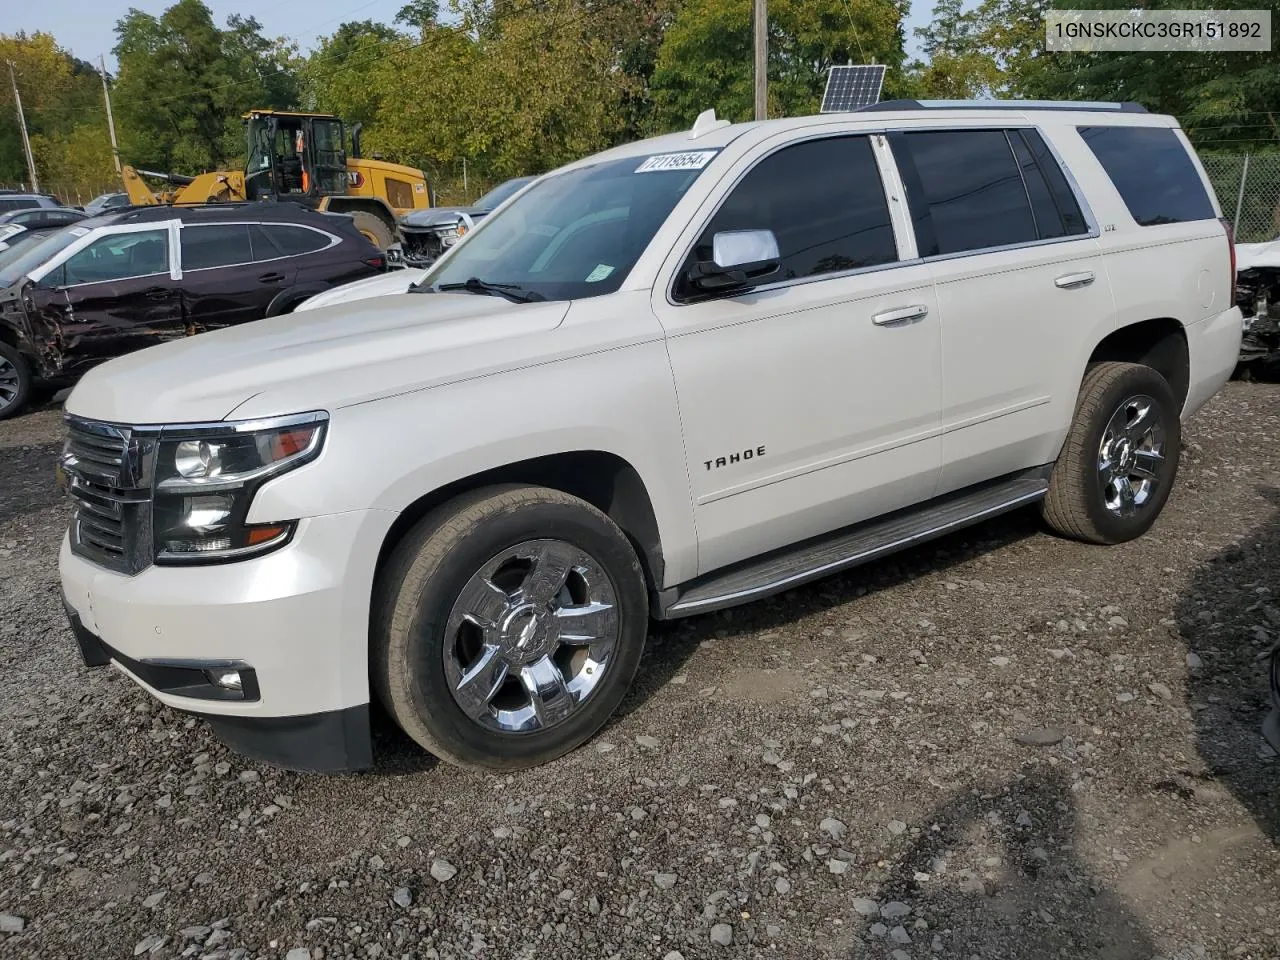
(427, 234)
(117, 283)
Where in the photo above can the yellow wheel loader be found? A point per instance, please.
(302, 158)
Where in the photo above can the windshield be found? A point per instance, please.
(32, 257)
(500, 193)
(575, 234)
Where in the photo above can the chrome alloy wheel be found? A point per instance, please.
(9, 383)
(531, 636)
(1131, 456)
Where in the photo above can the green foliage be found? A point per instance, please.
(705, 57)
(62, 101)
(184, 82)
(511, 87)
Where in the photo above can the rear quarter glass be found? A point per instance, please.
(1153, 173)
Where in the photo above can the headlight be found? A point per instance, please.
(205, 480)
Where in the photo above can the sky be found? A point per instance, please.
(87, 28)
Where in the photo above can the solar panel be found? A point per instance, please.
(849, 88)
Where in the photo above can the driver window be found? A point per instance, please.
(823, 200)
(119, 257)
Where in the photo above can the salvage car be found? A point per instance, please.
(684, 374)
(117, 283)
(426, 234)
(1258, 295)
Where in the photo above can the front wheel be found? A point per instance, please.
(508, 626)
(1119, 462)
(16, 382)
(374, 229)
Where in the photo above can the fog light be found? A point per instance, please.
(226, 679)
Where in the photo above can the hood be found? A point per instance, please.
(440, 216)
(1257, 255)
(319, 359)
(384, 284)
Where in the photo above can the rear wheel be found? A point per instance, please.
(508, 626)
(374, 229)
(1119, 462)
(15, 382)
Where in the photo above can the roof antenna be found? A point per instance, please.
(705, 123)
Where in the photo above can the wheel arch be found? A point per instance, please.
(1159, 343)
(604, 480)
(286, 300)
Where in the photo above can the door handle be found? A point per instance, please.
(1069, 281)
(271, 278)
(901, 315)
(157, 293)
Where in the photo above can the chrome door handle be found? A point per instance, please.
(901, 315)
(1070, 281)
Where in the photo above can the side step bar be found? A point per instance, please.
(792, 566)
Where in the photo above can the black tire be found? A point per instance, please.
(424, 578)
(1077, 504)
(374, 229)
(14, 398)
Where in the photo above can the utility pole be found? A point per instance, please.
(111, 122)
(762, 58)
(22, 122)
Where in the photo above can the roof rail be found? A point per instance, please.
(1077, 105)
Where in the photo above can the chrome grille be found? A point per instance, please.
(108, 477)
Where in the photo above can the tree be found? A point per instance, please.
(993, 50)
(184, 82)
(62, 101)
(1223, 99)
(705, 57)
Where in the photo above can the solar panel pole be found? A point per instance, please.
(762, 58)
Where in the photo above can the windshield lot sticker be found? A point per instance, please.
(693, 160)
(599, 273)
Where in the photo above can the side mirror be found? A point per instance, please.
(739, 260)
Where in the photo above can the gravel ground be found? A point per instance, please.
(1002, 745)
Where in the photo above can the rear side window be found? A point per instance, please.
(823, 200)
(214, 245)
(1053, 205)
(8, 204)
(1153, 173)
(292, 241)
(967, 185)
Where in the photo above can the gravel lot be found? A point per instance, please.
(1002, 745)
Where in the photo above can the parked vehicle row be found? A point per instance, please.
(677, 376)
(123, 281)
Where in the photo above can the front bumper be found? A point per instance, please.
(1271, 726)
(294, 623)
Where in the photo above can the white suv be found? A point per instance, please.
(682, 374)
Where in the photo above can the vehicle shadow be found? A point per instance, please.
(27, 481)
(1230, 620)
(996, 875)
(672, 643)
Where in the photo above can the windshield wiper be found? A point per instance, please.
(514, 293)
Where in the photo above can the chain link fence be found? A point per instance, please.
(1248, 188)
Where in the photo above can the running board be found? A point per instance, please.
(792, 566)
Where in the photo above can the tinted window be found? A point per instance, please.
(294, 240)
(1151, 169)
(1054, 206)
(119, 257)
(968, 185)
(824, 202)
(215, 245)
(261, 245)
(17, 203)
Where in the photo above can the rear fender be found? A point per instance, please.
(287, 299)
